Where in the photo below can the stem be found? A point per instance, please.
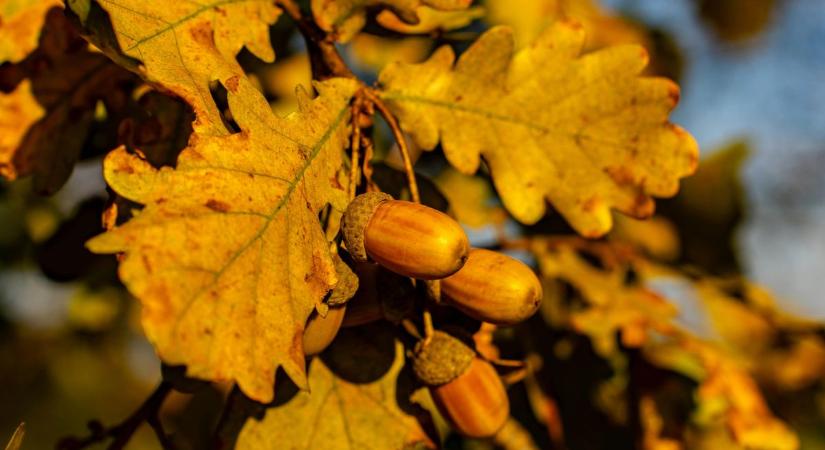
(428, 325)
(323, 56)
(355, 148)
(123, 432)
(402, 143)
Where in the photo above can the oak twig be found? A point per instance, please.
(323, 56)
(122, 433)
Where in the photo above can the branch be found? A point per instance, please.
(123, 432)
(324, 58)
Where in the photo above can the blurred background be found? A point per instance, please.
(752, 74)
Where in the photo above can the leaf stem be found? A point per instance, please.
(400, 140)
(355, 147)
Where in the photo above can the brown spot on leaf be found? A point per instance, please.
(643, 206)
(590, 204)
(203, 34)
(621, 175)
(217, 205)
(231, 84)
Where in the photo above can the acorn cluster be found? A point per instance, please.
(391, 241)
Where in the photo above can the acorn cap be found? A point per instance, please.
(358, 215)
(347, 283)
(441, 360)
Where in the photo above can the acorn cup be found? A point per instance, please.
(320, 331)
(466, 389)
(408, 238)
(493, 287)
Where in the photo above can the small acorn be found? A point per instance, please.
(408, 238)
(320, 331)
(493, 287)
(466, 389)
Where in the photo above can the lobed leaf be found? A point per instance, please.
(584, 132)
(228, 257)
(345, 18)
(182, 46)
(342, 413)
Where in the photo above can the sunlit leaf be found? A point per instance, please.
(228, 257)
(338, 413)
(584, 132)
(20, 25)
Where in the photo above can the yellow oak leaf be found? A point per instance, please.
(471, 199)
(726, 394)
(429, 20)
(584, 132)
(373, 53)
(345, 18)
(20, 25)
(184, 46)
(529, 18)
(614, 308)
(344, 410)
(47, 115)
(228, 257)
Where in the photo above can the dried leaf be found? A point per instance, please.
(20, 25)
(586, 133)
(345, 18)
(339, 414)
(183, 46)
(49, 113)
(228, 257)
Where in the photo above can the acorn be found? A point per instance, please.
(320, 331)
(408, 238)
(466, 389)
(493, 287)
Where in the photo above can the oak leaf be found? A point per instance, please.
(345, 18)
(529, 18)
(183, 46)
(228, 257)
(429, 20)
(20, 26)
(342, 413)
(49, 109)
(584, 132)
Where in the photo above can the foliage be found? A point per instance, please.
(229, 172)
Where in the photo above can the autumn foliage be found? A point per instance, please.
(236, 184)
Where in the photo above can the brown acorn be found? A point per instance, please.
(408, 238)
(493, 287)
(320, 331)
(466, 389)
